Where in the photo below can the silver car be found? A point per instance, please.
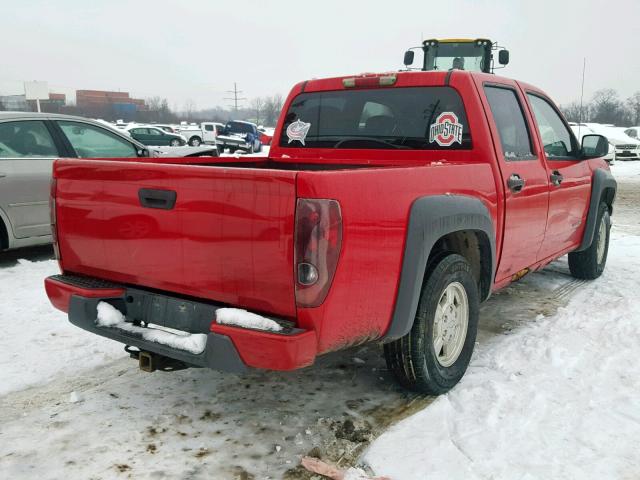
(29, 143)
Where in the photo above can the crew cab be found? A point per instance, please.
(388, 208)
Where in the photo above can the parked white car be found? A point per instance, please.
(580, 130)
(195, 135)
(633, 132)
(627, 148)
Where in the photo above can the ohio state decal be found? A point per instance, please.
(446, 130)
(298, 131)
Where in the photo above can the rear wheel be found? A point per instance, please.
(589, 264)
(434, 355)
(174, 142)
(4, 236)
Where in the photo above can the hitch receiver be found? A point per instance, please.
(145, 361)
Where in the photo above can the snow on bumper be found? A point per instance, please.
(229, 348)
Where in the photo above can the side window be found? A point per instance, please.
(512, 127)
(208, 128)
(26, 139)
(154, 131)
(556, 138)
(90, 141)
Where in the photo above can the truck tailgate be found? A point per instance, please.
(228, 237)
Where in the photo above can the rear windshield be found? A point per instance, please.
(418, 118)
(237, 127)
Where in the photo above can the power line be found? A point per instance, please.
(235, 99)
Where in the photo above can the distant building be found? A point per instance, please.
(14, 103)
(18, 103)
(54, 104)
(105, 104)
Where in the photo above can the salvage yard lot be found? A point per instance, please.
(551, 391)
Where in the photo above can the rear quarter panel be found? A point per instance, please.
(375, 205)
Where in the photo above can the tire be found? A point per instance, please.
(4, 236)
(174, 143)
(195, 141)
(413, 359)
(220, 149)
(232, 150)
(251, 149)
(589, 264)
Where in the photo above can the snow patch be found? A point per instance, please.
(242, 318)
(75, 397)
(555, 399)
(355, 474)
(109, 316)
(38, 343)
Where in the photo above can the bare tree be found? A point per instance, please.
(272, 107)
(189, 108)
(633, 105)
(607, 107)
(257, 105)
(153, 103)
(574, 112)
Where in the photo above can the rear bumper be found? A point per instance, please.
(228, 348)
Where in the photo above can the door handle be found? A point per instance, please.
(515, 183)
(556, 178)
(151, 198)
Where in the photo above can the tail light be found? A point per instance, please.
(369, 81)
(318, 240)
(53, 219)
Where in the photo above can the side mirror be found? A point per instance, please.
(503, 57)
(594, 146)
(143, 152)
(409, 55)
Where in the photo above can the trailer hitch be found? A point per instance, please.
(150, 362)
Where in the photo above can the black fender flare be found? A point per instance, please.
(431, 218)
(601, 181)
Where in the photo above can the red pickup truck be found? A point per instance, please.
(389, 207)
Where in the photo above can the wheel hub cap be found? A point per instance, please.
(450, 324)
(602, 240)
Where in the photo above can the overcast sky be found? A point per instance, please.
(196, 49)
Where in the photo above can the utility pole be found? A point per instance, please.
(235, 99)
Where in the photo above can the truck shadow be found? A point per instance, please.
(10, 258)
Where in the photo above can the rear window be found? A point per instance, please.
(418, 118)
(237, 127)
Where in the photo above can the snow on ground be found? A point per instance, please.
(37, 341)
(555, 399)
(540, 384)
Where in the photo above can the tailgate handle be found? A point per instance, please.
(163, 199)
